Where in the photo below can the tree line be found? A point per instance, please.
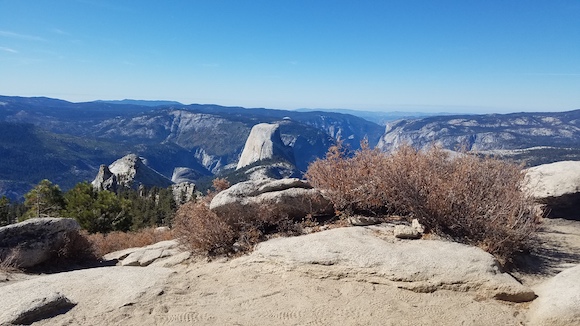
(96, 211)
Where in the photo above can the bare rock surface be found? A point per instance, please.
(263, 143)
(34, 241)
(130, 171)
(558, 301)
(421, 265)
(96, 291)
(46, 304)
(332, 290)
(148, 255)
(557, 185)
(291, 196)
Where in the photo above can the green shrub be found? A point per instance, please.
(467, 198)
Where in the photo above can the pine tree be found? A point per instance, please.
(44, 200)
(97, 211)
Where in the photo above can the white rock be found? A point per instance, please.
(264, 142)
(554, 179)
(406, 232)
(26, 309)
(96, 290)
(146, 255)
(172, 260)
(417, 226)
(558, 301)
(293, 197)
(421, 265)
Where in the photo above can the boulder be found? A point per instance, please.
(25, 311)
(420, 266)
(294, 198)
(406, 232)
(35, 240)
(95, 290)
(264, 143)
(558, 300)
(557, 186)
(149, 255)
(417, 226)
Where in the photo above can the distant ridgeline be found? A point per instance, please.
(43, 138)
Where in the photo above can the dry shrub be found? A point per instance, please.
(470, 199)
(104, 243)
(220, 184)
(76, 246)
(9, 263)
(201, 229)
(205, 232)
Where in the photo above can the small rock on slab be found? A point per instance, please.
(406, 232)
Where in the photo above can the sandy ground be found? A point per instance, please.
(230, 293)
(235, 292)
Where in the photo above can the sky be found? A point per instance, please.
(475, 56)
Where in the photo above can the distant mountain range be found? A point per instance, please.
(67, 142)
(380, 117)
(140, 102)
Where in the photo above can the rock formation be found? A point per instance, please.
(558, 300)
(292, 197)
(183, 192)
(373, 255)
(264, 143)
(34, 241)
(184, 174)
(98, 290)
(160, 254)
(129, 171)
(557, 186)
(559, 131)
(105, 180)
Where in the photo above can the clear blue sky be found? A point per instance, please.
(472, 55)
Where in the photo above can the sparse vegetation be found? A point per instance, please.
(205, 232)
(104, 243)
(473, 200)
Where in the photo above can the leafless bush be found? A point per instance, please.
(9, 262)
(76, 247)
(201, 229)
(205, 232)
(220, 184)
(470, 199)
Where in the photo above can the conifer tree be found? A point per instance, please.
(44, 200)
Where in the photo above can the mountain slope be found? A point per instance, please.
(539, 137)
(204, 139)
